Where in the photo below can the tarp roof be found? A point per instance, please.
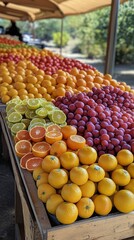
(39, 9)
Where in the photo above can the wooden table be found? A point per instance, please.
(32, 220)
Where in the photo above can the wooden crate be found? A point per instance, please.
(37, 224)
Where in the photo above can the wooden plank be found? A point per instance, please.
(114, 227)
(30, 187)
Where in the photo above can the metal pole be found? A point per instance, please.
(112, 33)
(61, 36)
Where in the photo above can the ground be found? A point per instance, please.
(123, 73)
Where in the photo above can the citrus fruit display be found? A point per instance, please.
(28, 113)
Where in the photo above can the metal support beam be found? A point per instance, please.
(111, 42)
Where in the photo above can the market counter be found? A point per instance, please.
(33, 222)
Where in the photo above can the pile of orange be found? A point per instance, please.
(72, 180)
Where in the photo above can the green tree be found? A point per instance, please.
(57, 39)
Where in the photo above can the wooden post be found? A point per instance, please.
(112, 32)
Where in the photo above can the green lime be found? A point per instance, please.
(58, 117)
(26, 121)
(42, 101)
(37, 120)
(36, 124)
(17, 127)
(14, 117)
(33, 103)
(30, 114)
(63, 125)
(10, 106)
(41, 112)
(10, 111)
(9, 124)
(48, 124)
(15, 100)
(20, 108)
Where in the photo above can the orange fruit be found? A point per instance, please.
(98, 79)
(66, 213)
(106, 186)
(125, 157)
(69, 160)
(42, 178)
(118, 166)
(95, 173)
(12, 93)
(53, 136)
(103, 205)
(37, 133)
(130, 186)
(53, 127)
(22, 147)
(78, 175)
(76, 142)
(85, 207)
(88, 189)
(33, 163)
(108, 162)
(53, 202)
(124, 201)
(25, 158)
(58, 148)
(68, 130)
(50, 162)
(36, 172)
(5, 98)
(57, 178)
(71, 192)
(130, 169)
(87, 155)
(41, 149)
(121, 177)
(45, 190)
(23, 135)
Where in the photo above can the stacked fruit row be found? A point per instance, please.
(30, 73)
(71, 179)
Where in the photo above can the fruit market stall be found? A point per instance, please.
(69, 130)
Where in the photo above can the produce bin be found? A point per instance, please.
(33, 222)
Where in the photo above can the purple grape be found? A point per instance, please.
(90, 126)
(115, 124)
(110, 128)
(96, 141)
(72, 107)
(126, 146)
(79, 104)
(81, 123)
(95, 133)
(117, 148)
(102, 116)
(74, 122)
(105, 137)
(87, 134)
(97, 126)
(104, 143)
(89, 142)
(104, 124)
(81, 129)
(103, 131)
(79, 111)
(127, 137)
(110, 146)
(93, 120)
(115, 141)
(77, 117)
(70, 115)
(101, 153)
(91, 113)
(85, 118)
